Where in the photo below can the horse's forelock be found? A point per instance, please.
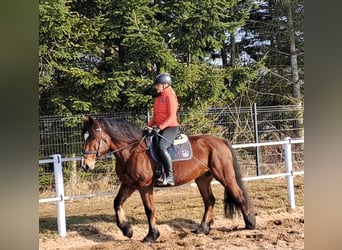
(86, 127)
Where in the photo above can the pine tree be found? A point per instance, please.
(68, 55)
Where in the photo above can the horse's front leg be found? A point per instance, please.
(121, 220)
(148, 201)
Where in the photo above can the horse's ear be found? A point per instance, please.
(87, 119)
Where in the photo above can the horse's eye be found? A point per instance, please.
(86, 134)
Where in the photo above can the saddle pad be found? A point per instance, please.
(182, 138)
(182, 151)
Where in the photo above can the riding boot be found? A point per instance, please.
(167, 162)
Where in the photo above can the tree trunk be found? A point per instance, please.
(294, 70)
(232, 50)
(232, 44)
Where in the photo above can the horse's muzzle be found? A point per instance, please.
(87, 164)
(85, 168)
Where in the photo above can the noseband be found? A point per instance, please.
(84, 152)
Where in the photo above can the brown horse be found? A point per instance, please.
(213, 157)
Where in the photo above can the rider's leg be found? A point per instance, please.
(168, 136)
(167, 163)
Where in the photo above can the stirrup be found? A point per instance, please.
(161, 183)
(170, 182)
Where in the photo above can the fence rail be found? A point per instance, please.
(61, 198)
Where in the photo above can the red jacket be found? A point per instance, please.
(165, 110)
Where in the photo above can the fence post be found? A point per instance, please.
(256, 138)
(57, 165)
(288, 165)
(73, 177)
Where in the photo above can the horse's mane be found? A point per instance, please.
(121, 130)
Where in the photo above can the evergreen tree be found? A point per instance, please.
(269, 33)
(69, 52)
(101, 56)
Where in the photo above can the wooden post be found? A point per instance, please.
(73, 176)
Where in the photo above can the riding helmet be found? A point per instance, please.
(163, 78)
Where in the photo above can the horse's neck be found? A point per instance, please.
(123, 151)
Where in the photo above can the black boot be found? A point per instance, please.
(167, 162)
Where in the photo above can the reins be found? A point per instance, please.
(127, 146)
(84, 152)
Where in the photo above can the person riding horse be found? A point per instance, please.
(213, 158)
(164, 121)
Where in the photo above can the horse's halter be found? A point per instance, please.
(97, 152)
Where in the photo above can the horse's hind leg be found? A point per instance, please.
(235, 196)
(204, 186)
(121, 220)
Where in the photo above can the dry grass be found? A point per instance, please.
(96, 214)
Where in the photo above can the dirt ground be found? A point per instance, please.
(91, 225)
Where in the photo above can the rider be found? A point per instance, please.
(165, 119)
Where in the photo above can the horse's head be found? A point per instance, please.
(95, 143)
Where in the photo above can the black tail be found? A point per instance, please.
(231, 205)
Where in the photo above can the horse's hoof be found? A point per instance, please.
(204, 228)
(249, 226)
(128, 232)
(250, 221)
(151, 237)
(148, 239)
(201, 230)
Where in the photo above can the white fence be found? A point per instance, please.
(60, 198)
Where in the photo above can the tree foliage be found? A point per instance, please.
(268, 32)
(98, 56)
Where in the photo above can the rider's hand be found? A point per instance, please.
(148, 131)
(155, 130)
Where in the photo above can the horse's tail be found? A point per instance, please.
(231, 205)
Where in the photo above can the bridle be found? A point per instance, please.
(97, 152)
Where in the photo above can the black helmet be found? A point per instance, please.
(163, 78)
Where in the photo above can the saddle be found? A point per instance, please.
(180, 150)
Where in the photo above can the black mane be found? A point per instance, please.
(121, 130)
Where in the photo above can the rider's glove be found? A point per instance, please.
(148, 131)
(155, 130)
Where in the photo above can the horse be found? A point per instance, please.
(213, 157)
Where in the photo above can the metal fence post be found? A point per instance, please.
(256, 138)
(57, 165)
(288, 165)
